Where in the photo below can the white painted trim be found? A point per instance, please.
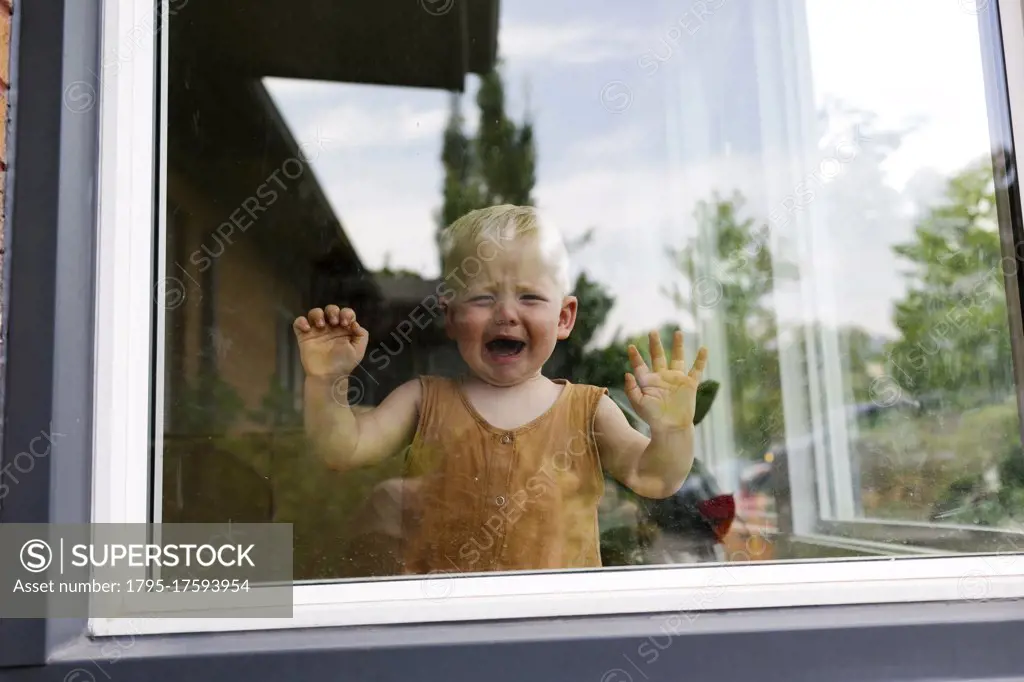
(686, 591)
(156, 510)
(1011, 19)
(124, 297)
(123, 370)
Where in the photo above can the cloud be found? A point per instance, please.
(352, 125)
(291, 90)
(575, 43)
(386, 203)
(615, 145)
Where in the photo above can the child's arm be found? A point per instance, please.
(665, 397)
(331, 345)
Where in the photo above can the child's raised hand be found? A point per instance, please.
(331, 342)
(664, 395)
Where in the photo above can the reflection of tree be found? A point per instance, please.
(861, 350)
(278, 413)
(205, 406)
(954, 344)
(970, 500)
(740, 275)
(495, 167)
(954, 352)
(954, 253)
(277, 409)
(601, 367)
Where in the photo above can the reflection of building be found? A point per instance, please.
(252, 240)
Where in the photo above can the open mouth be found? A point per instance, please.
(505, 348)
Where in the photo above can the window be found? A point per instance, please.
(837, 231)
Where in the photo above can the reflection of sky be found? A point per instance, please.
(634, 175)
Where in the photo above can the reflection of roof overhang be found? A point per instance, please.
(229, 137)
(418, 43)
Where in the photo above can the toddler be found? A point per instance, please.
(504, 468)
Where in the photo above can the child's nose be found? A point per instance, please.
(506, 313)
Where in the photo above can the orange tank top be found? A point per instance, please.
(488, 499)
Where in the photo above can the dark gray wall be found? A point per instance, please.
(33, 189)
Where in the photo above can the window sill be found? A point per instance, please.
(689, 591)
(835, 643)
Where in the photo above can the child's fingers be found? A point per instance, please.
(633, 391)
(316, 318)
(678, 361)
(658, 362)
(699, 363)
(319, 320)
(637, 361)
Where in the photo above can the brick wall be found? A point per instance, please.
(6, 11)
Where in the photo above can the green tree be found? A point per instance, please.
(498, 166)
(737, 279)
(575, 359)
(860, 351)
(954, 343)
(206, 405)
(504, 148)
(462, 185)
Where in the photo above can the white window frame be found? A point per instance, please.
(127, 206)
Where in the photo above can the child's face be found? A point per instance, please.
(509, 316)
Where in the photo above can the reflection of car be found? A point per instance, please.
(870, 414)
(686, 527)
(696, 518)
(756, 479)
(625, 532)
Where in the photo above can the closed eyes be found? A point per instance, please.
(488, 299)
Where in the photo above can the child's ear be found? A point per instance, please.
(567, 317)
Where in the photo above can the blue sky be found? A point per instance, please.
(691, 126)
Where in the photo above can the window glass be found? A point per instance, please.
(795, 185)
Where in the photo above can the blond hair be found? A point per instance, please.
(497, 227)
